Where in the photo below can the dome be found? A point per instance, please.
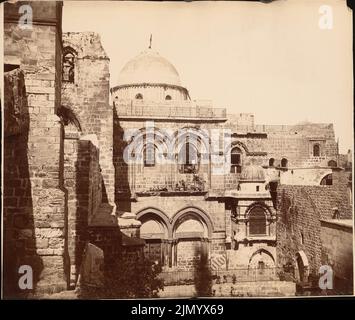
(149, 67)
(252, 173)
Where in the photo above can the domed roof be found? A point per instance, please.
(149, 67)
(252, 173)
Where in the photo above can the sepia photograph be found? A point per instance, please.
(160, 150)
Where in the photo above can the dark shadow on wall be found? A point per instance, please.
(19, 228)
(83, 201)
(122, 186)
(202, 273)
(66, 257)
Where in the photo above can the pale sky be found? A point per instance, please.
(272, 60)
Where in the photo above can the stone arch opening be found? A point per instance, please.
(236, 160)
(261, 259)
(191, 232)
(327, 180)
(316, 150)
(155, 230)
(302, 266)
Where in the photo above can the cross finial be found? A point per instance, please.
(150, 41)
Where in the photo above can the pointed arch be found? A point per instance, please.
(196, 213)
(154, 213)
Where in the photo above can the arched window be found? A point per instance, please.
(332, 163)
(316, 150)
(168, 97)
(188, 158)
(139, 96)
(271, 162)
(236, 160)
(68, 74)
(149, 155)
(284, 163)
(257, 222)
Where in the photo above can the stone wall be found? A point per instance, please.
(337, 252)
(300, 209)
(88, 98)
(34, 205)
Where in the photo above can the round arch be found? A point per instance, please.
(258, 205)
(237, 144)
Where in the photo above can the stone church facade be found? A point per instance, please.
(141, 160)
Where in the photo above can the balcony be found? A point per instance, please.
(177, 110)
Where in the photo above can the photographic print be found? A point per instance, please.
(177, 149)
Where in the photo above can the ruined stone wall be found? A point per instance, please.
(34, 208)
(88, 97)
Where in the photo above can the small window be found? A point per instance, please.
(316, 150)
(257, 188)
(149, 155)
(271, 162)
(284, 163)
(302, 238)
(139, 96)
(168, 97)
(236, 160)
(332, 163)
(68, 65)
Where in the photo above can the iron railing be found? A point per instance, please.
(184, 110)
(222, 276)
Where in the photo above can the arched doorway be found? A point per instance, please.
(191, 244)
(155, 231)
(262, 265)
(302, 266)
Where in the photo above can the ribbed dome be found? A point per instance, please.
(149, 67)
(252, 173)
